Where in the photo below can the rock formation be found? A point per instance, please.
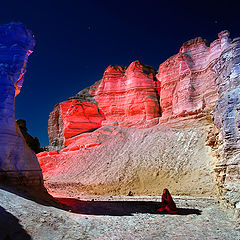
(18, 163)
(134, 103)
(152, 130)
(32, 142)
(187, 81)
(76, 117)
(142, 161)
(132, 93)
(227, 121)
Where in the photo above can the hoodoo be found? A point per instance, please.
(18, 163)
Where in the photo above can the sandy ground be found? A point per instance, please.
(23, 216)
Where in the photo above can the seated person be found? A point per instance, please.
(167, 203)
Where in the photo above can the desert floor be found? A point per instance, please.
(27, 216)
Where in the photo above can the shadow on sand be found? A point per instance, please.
(117, 208)
(36, 194)
(111, 208)
(10, 228)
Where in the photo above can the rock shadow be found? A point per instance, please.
(10, 228)
(38, 194)
(117, 208)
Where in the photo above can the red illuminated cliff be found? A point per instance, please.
(125, 96)
(132, 94)
(141, 130)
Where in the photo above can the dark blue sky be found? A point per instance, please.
(77, 40)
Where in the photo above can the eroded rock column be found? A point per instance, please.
(227, 120)
(18, 163)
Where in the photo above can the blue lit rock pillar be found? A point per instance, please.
(18, 163)
(227, 120)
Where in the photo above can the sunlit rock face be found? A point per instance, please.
(187, 81)
(70, 118)
(143, 161)
(18, 163)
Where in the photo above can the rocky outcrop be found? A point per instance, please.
(187, 81)
(227, 121)
(71, 118)
(32, 142)
(190, 110)
(18, 163)
(134, 99)
(55, 129)
(132, 94)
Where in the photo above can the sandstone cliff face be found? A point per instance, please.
(71, 118)
(187, 81)
(192, 88)
(55, 128)
(132, 94)
(123, 97)
(142, 161)
(17, 161)
(227, 120)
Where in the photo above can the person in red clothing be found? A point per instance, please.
(167, 203)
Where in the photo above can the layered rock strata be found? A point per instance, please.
(227, 121)
(132, 94)
(187, 81)
(195, 95)
(18, 163)
(76, 117)
(123, 97)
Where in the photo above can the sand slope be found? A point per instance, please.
(143, 161)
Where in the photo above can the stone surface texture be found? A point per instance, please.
(227, 121)
(176, 128)
(55, 129)
(143, 161)
(187, 81)
(134, 99)
(132, 94)
(18, 163)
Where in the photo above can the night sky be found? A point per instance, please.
(77, 40)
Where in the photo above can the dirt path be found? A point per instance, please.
(112, 218)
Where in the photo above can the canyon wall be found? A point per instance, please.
(227, 120)
(141, 130)
(187, 81)
(132, 94)
(18, 163)
(125, 96)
